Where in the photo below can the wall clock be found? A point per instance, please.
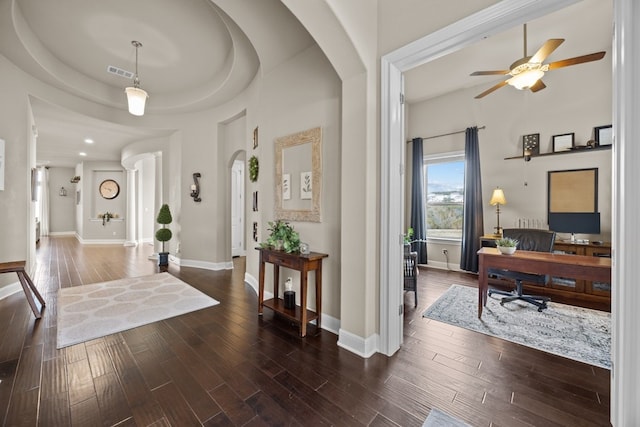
(109, 189)
(531, 144)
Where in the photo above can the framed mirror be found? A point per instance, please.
(299, 176)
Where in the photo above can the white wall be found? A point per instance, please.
(62, 209)
(563, 107)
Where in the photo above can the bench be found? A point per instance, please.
(27, 285)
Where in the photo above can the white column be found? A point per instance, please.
(157, 246)
(132, 208)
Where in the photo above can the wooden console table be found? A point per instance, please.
(571, 266)
(302, 263)
(27, 285)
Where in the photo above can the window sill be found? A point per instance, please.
(444, 240)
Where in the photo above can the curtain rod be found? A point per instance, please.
(446, 134)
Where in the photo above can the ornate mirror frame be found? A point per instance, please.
(313, 137)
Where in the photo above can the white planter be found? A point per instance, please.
(507, 250)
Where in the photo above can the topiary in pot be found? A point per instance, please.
(164, 234)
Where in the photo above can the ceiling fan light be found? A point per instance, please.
(526, 79)
(137, 99)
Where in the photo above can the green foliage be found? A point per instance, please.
(408, 236)
(282, 237)
(253, 169)
(446, 216)
(507, 242)
(164, 215)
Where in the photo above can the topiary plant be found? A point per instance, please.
(282, 237)
(164, 217)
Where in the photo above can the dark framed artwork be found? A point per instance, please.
(255, 138)
(563, 142)
(255, 201)
(255, 231)
(572, 190)
(603, 134)
(531, 145)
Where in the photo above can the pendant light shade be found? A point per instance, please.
(136, 97)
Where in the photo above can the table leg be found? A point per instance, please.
(303, 302)
(30, 290)
(319, 296)
(260, 285)
(482, 285)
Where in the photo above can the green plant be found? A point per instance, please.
(253, 168)
(408, 236)
(164, 217)
(282, 236)
(507, 242)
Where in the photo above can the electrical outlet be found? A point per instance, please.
(445, 252)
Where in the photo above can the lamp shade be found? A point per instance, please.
(525, 79)
(137, 99)
(497, 198)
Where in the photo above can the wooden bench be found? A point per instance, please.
(27, 285)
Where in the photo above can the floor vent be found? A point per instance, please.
(119, 72)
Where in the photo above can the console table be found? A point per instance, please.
(304, 263)
(572, 266)
(27, 285)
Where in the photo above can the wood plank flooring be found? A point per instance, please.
(225, 366)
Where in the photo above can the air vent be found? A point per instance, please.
(119, 72)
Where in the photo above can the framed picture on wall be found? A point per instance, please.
(572, 190)
(603, 135)
(563, 142)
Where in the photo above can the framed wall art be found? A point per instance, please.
(603, 135)
(563, 142)
(573, 190)
(531, 144)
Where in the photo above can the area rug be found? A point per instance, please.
(93, 311)
(573, 332)
(437, 418)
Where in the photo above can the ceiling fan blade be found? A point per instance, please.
(490, 73)
(547, 48)
(577, 60)
(539, 85)
(491, 89)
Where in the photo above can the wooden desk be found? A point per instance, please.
(27, 285)
(302, 263)
(572, 266)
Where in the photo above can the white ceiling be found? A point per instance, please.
(586, 27)
(196, 56)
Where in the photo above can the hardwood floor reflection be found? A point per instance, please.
(226, 366)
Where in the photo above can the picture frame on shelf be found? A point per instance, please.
(603, 135)
(530, 145)
(563, 142)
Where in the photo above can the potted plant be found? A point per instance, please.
(507, 245)
(164, 234)
(282, 237)
(407, 240)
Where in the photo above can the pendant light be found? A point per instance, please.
(136, 97)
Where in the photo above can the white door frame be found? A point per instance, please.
(237, 191)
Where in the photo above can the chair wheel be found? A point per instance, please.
(541, 308)
(501, 302)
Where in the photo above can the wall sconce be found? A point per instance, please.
(62, 192)
(195, 187)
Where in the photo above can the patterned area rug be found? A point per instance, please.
(93, 311)
(437, 418)
(573, 332)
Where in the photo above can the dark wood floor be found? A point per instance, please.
(226, 366)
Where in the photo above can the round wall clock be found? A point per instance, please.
(109, 189)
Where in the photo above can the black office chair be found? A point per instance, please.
(411, 274)
(529, 239)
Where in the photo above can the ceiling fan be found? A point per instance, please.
(527, 72)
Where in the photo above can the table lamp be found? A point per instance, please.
(497, 199)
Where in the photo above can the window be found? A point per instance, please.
(444, 188)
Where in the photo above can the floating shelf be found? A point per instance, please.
(584, 150)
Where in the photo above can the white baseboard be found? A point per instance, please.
(10, 289)
(62, 233)
(99, 241)
(363, 347)
(443, 266)
(227, 265)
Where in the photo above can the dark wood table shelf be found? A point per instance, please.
(304, 263)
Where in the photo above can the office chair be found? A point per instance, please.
(529, 239)
(410, 267)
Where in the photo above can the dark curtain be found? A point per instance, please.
(472, 224)
(418, 218)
